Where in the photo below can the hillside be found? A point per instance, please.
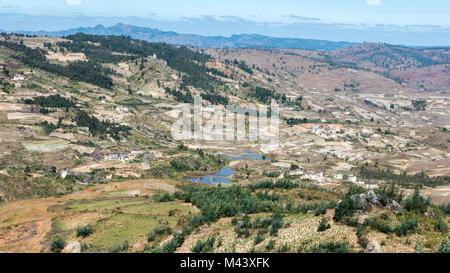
(235, 41)
(425, 68)
(88, 162)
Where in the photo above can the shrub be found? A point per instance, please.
(57, 245)
(389, 191)
(346, 208)
(441, 226)
(406, 227)
(330, 247)
(258, 239)
(271, 245)
(277, 223)
(417, 202)
(283, 249)
(381, 226)
(163, 198)
(158, 231)
(351, 221)
(445, 208)
(204, 246)
(445, 246)
(84, 231)
(361, 234)
(323, 225)
(119, 248)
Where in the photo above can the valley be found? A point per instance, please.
(88, 162)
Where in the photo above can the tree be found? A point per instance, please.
(57, 245)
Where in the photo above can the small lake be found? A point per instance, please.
(219, 177)
(223, 175)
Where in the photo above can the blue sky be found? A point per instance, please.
(399, 12)
(407, 22)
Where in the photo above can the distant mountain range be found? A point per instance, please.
(235, 41)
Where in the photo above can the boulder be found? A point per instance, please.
(397, 206)
(239, 225)
(72, 247)
(373, 247)
(372, 194)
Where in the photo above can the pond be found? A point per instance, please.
(219, 177)
(223, 175)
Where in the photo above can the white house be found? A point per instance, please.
(19, 78)
(122, 109)
(352, 178)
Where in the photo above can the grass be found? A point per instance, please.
(124, 219)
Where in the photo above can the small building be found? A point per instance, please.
(123, 157)
(112, 157)
(19, 77)
(299, 171)
(352, 178)
(122, 109)
(64, 174)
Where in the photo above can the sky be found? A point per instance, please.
(407, 22)
(399, 12)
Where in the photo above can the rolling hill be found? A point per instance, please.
(235, 41)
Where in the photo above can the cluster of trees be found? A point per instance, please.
(182, 59)
(53, 101)
(180, 96)
(264, 95)
(6, 86)
(159, 231)
(245, 227)
(241, 65)
(403, 179)
(419, 105)
(285, 184)
(218, 202)
(215, 98)
(89, 72)
(101, 128)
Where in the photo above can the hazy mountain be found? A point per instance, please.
(238, 41)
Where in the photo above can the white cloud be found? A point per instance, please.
(373, 2)
(73, 2)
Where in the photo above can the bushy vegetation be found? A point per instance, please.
(346, 208)
(185, 97)
(389, 191)
(379, 224)
(119, 248)
(161, 230)
(52, 101)
(89, 72)
(445, 208)
(270, 185)
(403, 179)
(323, 225)
(162, 198)
(417, 202)
(101, 128)
(215, 98)
(445, 246)
(57, 245)
(441, 226)
(182, 59)
(264, 95)
(245, 227)
(406, 227)
(330, 247)
(84, 231)
(206, 246)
